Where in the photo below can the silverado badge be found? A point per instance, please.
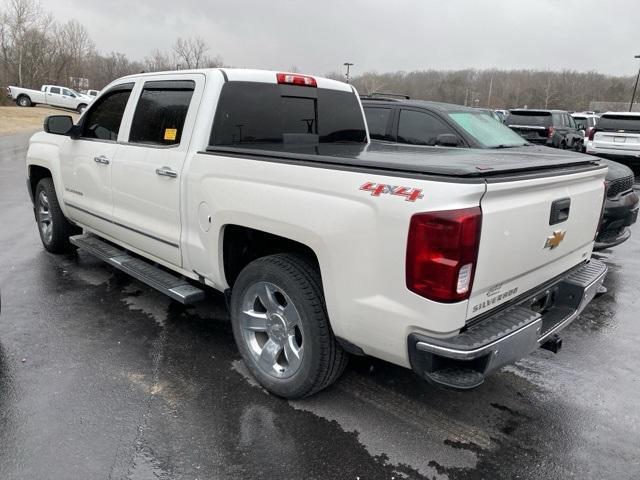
(554, 240)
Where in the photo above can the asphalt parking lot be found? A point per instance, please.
(103, 378)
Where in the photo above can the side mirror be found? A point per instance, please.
(447, 140)
(58, 124)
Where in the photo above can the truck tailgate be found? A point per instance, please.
(526, 239)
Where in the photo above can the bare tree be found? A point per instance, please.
(191, 52)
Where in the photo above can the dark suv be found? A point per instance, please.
(553, 128)
(420, 122)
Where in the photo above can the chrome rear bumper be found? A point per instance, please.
(507, 335)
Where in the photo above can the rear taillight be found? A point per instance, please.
(442, 250)
(592, 133)
(550, 132)
(295, 79)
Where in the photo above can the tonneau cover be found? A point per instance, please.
(439, 161)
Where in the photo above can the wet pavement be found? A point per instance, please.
(103, 378)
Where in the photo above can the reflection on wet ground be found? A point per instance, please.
(119, 382)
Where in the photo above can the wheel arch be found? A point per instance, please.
(241, 245)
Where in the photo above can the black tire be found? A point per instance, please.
(81, 107)
(323, 359)
(55, 238)
(23, 101)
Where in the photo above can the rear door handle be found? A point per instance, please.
(166, 172)
(102, 160)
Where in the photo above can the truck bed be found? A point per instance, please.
(408, 160)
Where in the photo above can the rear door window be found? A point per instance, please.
(102, 121)
(271, 115)
(420, 128)
(377, 121)
(55, 90)
(613, 122)
(161, 112)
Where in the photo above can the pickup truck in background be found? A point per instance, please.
(52, 95)
(264, 185)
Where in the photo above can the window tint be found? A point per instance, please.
(377, 121)
(420, 128)
(55, 90)
(529, 118)
(161, 111)
(263, 113)
(630, 123)
(102, 121)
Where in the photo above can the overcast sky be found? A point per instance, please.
(319, 36)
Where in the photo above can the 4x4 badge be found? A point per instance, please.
(554, 240)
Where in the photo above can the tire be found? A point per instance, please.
(281, 326)
(81, 108)
(53, 227)
(23, 101)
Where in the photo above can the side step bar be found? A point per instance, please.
(175, 287)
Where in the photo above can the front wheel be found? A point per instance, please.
(81, 108)
(281, 326)
(53, 227)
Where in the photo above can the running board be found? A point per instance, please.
(175, 287)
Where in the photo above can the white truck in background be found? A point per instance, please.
(53, 95)
(264, 185)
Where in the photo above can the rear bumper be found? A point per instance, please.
(462, 362)
(619, 214)
(622, 156)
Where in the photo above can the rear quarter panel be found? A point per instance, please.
(359, 239)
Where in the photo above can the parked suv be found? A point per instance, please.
(616, 136)
(430, 123)
(553, 128)
(585, 122)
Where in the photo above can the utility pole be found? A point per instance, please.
(635, 87)
(490, 89)
(348, 65)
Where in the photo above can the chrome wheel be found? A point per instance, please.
(45, 221)
(272, 330)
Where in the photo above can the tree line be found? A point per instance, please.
(565, 90)
(35, 49)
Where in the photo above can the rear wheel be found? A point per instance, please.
(81, 108)
(281, 326)
(24, 101)
(53, 227)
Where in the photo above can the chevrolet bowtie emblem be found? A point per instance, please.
(554, 240)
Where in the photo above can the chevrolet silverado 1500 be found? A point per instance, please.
(263, 185)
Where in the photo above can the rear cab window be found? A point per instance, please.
(614, 123)
(529, 118)
(272, 116)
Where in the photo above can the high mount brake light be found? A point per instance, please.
(442, 252)
(295, 79)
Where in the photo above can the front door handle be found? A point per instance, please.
(102, 160)
(166, 172)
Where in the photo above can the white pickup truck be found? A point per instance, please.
(53, 95)
(263, 185)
